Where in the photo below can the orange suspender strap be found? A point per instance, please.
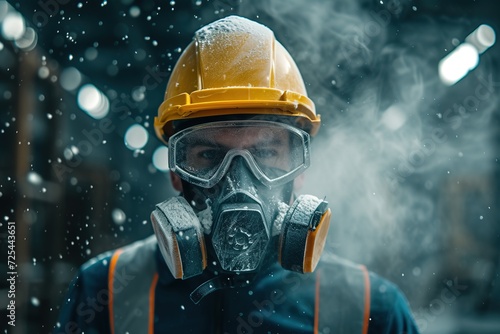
(111, 277)
(316, 302)
(132, 284)
(342, 299)
(152, 291)
(366, 313)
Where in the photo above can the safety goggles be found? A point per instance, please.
(275, 153)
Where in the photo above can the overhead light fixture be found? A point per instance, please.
(458, 63)
(13, 26)
(482, 38)
(93, 101)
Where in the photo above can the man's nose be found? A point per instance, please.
(240, 174)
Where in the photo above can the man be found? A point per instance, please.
(237, 251)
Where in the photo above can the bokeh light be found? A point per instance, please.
(136, 137)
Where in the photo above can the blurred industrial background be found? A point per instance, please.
(408, 155)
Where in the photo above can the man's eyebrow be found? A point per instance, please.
(274, 141)
(201, 141)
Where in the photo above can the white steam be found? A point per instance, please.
(393, 138)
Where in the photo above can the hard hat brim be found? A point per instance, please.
(235, 101)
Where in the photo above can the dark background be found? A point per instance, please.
(417, 203)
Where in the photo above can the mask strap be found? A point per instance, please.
(220, 282)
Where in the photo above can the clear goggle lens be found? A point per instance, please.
(276, 153)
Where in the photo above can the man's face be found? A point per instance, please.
(238, 178)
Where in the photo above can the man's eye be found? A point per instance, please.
(265, 153)
(209, 154)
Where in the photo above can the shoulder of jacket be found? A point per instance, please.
(102, 261)
(386, 294)
(146, 244)
(136, 259)
(99, 260)
(334, 262)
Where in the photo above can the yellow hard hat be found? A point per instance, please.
(235, 66)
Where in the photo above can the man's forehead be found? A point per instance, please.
(264, 132)
(247, 136)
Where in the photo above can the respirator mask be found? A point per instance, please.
(235, 216)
